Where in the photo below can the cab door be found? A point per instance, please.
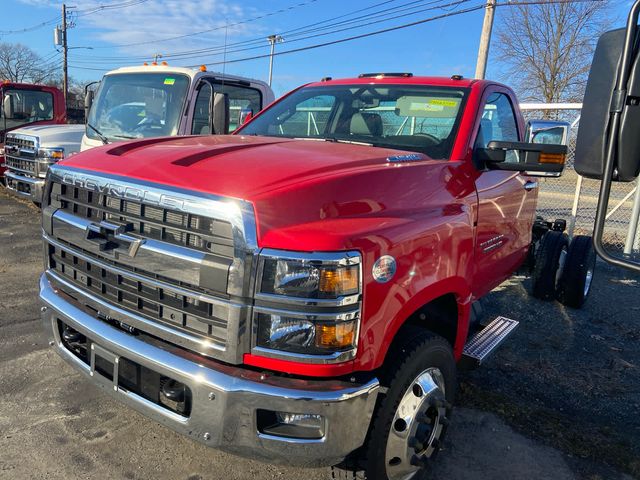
(506, 200)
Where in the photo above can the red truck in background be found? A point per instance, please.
(302, 291)
(28, 104)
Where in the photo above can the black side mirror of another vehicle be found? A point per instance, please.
(608, 142)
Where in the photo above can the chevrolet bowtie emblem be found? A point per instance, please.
(114, 237)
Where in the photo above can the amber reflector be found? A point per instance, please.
(337, 335)
(339, 281)
(557, 158)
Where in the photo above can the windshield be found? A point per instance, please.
(138, 105)
(407, 117)
(21, 107)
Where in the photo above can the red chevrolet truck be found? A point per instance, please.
(28, 104)
(302, 291)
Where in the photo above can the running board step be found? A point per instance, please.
(487, 340)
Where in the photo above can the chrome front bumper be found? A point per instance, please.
(225, 398)
(25, 187)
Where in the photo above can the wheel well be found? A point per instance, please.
(439, 316)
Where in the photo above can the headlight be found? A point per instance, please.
(55, 154)
(308, 335)
(47, 156)
(308, 304)
(309, 278)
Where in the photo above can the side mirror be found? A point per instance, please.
(220, 113)
(534, 158)
(88, 101)
(547, 132)
(7, 106)
(603, 96)
(246, 114)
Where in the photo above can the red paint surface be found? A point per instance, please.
(315, 196)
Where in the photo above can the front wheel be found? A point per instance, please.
(411, 421)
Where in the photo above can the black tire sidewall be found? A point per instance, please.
(424, 351)
(544, 274)
(580, 259)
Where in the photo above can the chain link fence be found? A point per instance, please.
(575, 198)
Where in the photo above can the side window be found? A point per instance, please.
(201, 112)
(498, 121)
(240, 98)
(309, 119)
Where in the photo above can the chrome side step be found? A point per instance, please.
(487, 340)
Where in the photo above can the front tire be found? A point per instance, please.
(411, 421)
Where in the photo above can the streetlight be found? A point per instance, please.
(273, 39)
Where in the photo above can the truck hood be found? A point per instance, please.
(68, 136)
(245, 167)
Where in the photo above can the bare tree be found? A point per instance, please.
(18, 63)
(546, 49)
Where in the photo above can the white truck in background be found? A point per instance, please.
(132, 103)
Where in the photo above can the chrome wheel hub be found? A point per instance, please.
(417, 426)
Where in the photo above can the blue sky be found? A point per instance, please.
(441, 47)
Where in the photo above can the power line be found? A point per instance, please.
(148, 42)
(52, 21)
(357, 22)
(256, 39)
(355, 37)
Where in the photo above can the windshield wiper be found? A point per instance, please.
(334, 140)
(352, 142)
(104, 139)
(128, 137)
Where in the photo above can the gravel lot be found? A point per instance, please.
(560, 401)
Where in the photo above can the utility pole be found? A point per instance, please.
(485, 39)
(65, 79)
(273, 39)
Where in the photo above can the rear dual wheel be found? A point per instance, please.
(577, 276)
(564, 271)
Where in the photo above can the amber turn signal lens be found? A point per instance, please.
(556, 158)
(339, 281)
(336, 335)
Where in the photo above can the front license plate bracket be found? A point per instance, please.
(104, 366)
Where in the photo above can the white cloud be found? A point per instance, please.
(154, 20)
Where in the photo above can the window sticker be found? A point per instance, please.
(169, 81)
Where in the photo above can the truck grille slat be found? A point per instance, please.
(204, 234)
(140, 298)
(20, 154)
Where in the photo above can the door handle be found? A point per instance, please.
(528, 186)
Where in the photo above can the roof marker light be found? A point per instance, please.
(203, 68)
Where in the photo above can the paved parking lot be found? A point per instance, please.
(560, 401)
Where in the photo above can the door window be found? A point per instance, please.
(498, 123)
(202, 112)
(240, 98)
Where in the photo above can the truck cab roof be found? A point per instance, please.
(192, 73)
(400, 79)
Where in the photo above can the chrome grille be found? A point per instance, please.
(188, 281)
(194, 231)
(20, 154)
(142, 298)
